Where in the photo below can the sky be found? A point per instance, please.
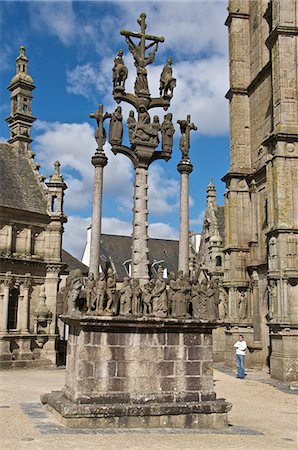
(71, 47)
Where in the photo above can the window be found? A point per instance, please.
(13, 308)
(218, 261)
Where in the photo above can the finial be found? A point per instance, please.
(211, 185)
(57, 168)
(22, 50)
(57, 177)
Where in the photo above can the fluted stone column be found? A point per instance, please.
(140, 250)
(5, 303)
(185, 168)
(99, 161)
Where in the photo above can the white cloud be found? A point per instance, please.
(57, 19)
(162, 231)
(73, 145)
(112, 225)
(75, 235)
(163, 191)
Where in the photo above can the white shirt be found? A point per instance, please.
(240, 347)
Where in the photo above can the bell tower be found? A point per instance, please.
(21, 118)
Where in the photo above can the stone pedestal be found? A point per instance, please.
(145, 372)
(284, 358)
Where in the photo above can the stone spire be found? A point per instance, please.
(211, 193)
(21, 118)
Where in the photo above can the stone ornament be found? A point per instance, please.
(176, 297)
(167, 82)
(120, 72)
(100, 132)
(242, 305)
(185, 127)
(167, 133)
(116, 127)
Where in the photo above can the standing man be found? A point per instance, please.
(240, 355)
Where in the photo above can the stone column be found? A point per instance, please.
(185, 168)
(4, 321)
(29, 241)
(9, 240)
(25, 302)
(99, 160)
(140, 250)
(256, 307)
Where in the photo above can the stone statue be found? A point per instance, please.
(136, 298)
(167, 133)
(100, 292)
(73, 290)
(116, 127)
(159, 296)
(140, 60)
(100, 132)
(195, 299)
(90, 292)
(147, 298)
(184, 144)
(243, 304)
(125, 297)
(131, 125)
(141, 83)
(120, 71)
(179, 306)
(171, 290)
(223, 304)
(156, 128)
(167, 82)
(272, 257)
(110, 290)
(272, 299)
(144, 130)
(203, 299)
(211, 314)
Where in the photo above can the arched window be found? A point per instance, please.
(13, 308)
(54, 203)
(218, 261)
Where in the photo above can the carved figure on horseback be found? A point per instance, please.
(167, 82)
(120, 71)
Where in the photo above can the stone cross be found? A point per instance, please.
(138, 51)
(185, 127)
(100, 134)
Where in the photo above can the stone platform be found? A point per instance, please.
(138, 372)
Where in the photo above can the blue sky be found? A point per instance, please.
(71, 47)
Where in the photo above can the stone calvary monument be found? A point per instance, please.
(140, 356)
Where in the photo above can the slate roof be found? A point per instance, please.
(115, 250)
(19, 187)
(219, 213)
(73, 263)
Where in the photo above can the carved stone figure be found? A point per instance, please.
(144, 130)
(100, 132)
(184, 144)
(120, 71)
(167, 82)
(223, 304)
(147, 298)
(110, 290)
(140, 60)
(179, 308)
(195, 299)
(272, 299)
(100, 292)
(90, 292)
(141, 83)
(171, 290)
(136, 298)
(73, 287)
(156, 128)
(272, 258)
(167, 133)
(116, 127)
(211, 314)
(203, 299)
(131, 125)
(125, 297)
(243, 304)
(159, 296)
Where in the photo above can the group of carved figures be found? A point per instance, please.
(120, 73)
(142, 131)
(177, 296)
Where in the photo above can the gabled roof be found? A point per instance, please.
(115, 250)
(73, 263)
(19, 187)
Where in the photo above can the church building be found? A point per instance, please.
(31, 227)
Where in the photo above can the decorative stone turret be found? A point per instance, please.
(21, 118)
(211, 193)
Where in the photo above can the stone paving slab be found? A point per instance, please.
(262, 417)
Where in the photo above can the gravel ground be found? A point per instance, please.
(263, 417)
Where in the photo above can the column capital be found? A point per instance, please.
(185, 167)
(99, 159)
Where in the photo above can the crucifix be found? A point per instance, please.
(185, 127)
(138, 51)
(100, 133)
